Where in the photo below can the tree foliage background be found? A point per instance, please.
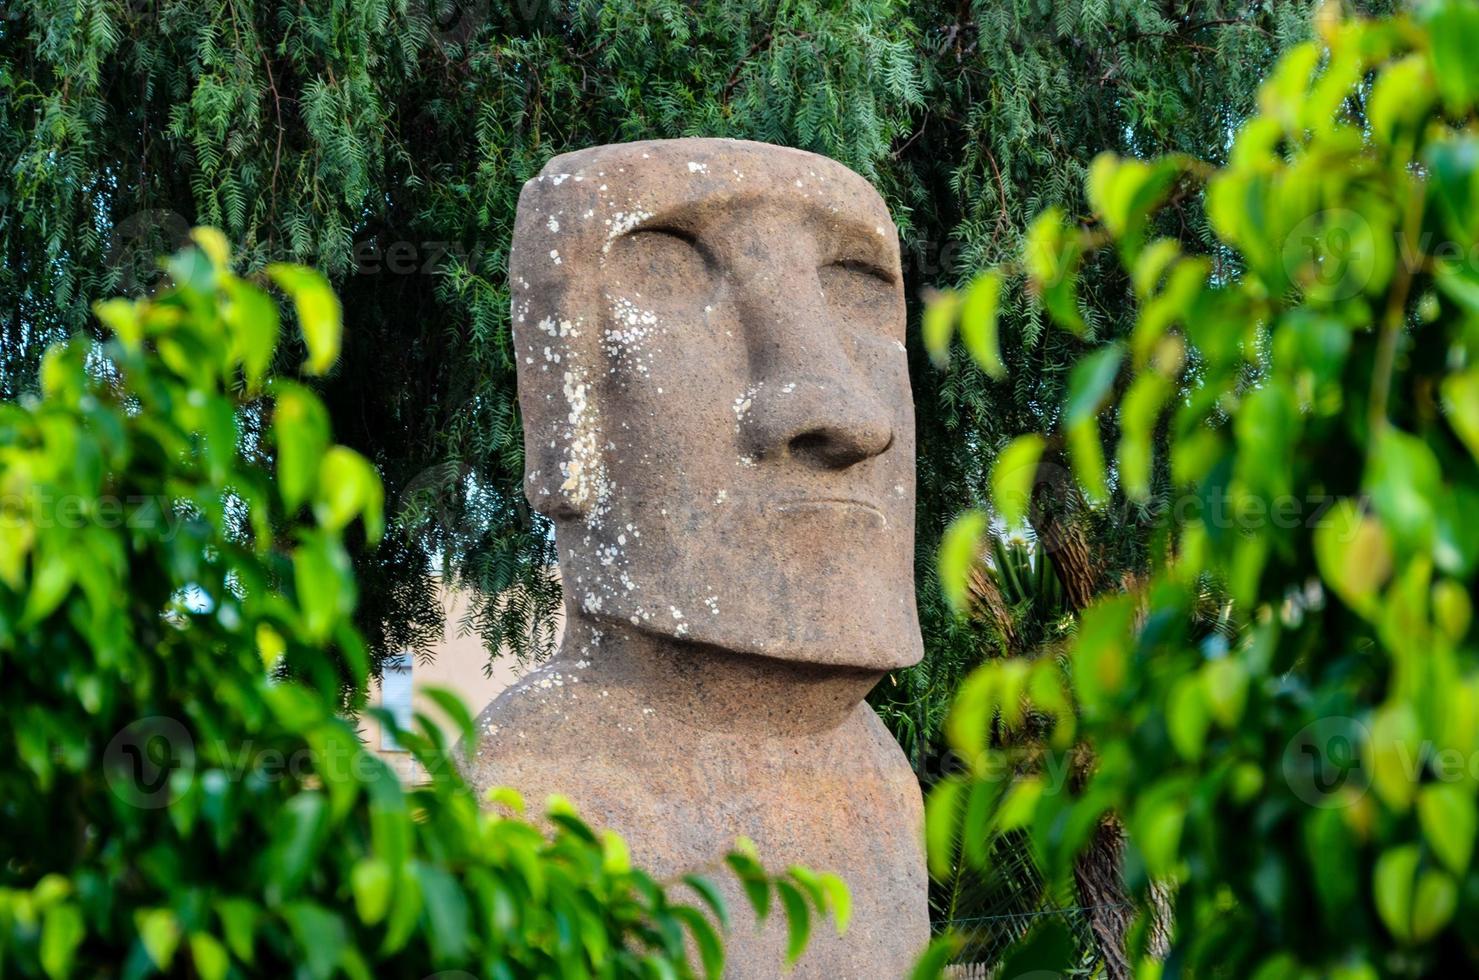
(385, 142)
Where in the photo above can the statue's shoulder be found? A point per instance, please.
(549, 729)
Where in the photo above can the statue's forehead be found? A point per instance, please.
(586, 199)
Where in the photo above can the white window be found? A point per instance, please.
(395, 696)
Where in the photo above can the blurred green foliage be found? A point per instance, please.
(180, 791)
(1305, 391)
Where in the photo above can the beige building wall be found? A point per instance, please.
(458, 665)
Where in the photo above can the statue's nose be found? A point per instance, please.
(807, 401)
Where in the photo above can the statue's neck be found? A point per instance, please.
(710, 688)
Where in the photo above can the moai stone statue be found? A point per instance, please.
(717, 417)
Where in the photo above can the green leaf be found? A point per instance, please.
(1187, 717)
(710, 948)
(300, 426)
(616, 858)
(349, 487)
(1453, 30)
(1225, 684)
(958, 550)
(978, 323)
(209, 956)
(123, 318)
(1400, 98)
(710, 896)
(238, 924)
(370, 881)
(1086, 451)
(1393, 755)
(255, 326)
(1089, 383)
(798, 919)
(447, 912)
(1433, 904)
(214, 245)
(1447, 814)
(319, 313)
(62, 930)
(320, 935)
(1461, 406)
(296, 842)
(1013, 476)
(753, 880)
(839, 900)
(1100, 652)
(936, 957)
(455, 709)
(967, 726)
(941, 817)
(1354, 555)
(1405, 481)
(324, 580)
(1018, 805)
(937, 325)
(1139, 413)
(159, 931)
(1052, 252)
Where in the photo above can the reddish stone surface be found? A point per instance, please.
(717, 417)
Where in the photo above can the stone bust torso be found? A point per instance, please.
(717, 418)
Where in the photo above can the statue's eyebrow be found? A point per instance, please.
(868, 241)
(858, 242)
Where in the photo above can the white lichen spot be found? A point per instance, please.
(697, 168)
(622, 222)
(584, 466)
(553, 224)
(554, 255)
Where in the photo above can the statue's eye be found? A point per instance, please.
(660, 269)
(865, 297)
(856, 267)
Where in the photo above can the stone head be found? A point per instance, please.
(715, 396)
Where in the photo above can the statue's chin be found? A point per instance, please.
(867, 636)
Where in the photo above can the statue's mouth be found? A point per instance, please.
(804, 504)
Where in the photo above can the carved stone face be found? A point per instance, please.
(716, 400)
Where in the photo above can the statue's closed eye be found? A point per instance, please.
(863, 296)
(659, 267)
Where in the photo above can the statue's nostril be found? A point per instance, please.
(814, 448)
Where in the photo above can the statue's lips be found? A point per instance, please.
(802, 505)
